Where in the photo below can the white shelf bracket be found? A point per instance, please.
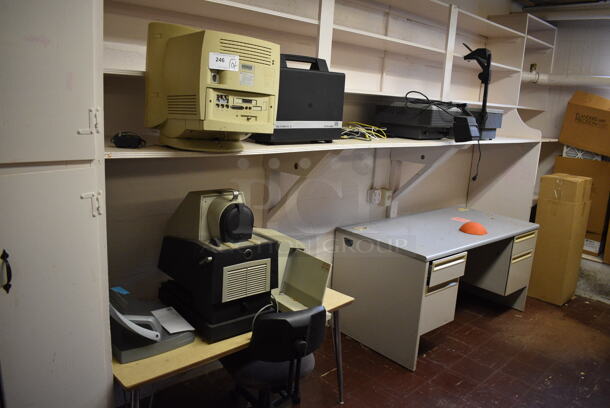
(296, 164)
(430, 158)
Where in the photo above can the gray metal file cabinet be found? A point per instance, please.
(405, 273)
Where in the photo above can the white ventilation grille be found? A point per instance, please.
(256, 54)
(246, 279)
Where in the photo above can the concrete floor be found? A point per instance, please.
(594, 281)
(490, 356)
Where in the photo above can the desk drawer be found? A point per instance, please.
(446, 269)
(519, 271)
(438, 306)
(524, 242)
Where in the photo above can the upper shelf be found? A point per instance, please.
(254, 149)
(458, 60)
(532, 43)
(537, 24)
(433, 10)
(541, 30)
(371, 40)
(236, 12)
(473, 24)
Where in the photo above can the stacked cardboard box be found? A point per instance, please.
(599, 172)
(586, 125)
(563, 210)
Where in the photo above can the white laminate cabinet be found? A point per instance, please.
(47, 81)
(53, 341)
(54, 336)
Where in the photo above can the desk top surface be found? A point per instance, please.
(435, 234)
(199, 352)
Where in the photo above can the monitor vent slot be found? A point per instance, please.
(250, 279)
(256, 54)
(182, 104)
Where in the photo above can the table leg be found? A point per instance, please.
(338, 355)
(135, 398)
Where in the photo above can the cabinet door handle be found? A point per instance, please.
(9, 271)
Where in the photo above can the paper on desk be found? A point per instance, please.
(171, 320)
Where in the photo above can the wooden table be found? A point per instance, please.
(133, 375)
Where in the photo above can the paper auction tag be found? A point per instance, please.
(226, 62)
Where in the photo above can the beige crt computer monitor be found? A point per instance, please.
(207, 90)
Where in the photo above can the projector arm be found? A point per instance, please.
(482, 56)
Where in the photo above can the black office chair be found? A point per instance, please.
(282, 345)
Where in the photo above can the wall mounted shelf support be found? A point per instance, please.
(431, 159)
(297, 164)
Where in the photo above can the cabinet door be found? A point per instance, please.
(48, 51)
(54, 330)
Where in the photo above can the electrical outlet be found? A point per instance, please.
(374, 196)
(386, 197)
(380, 196)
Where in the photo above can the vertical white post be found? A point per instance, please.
(449, 49)
(325, 29)
(385, 53)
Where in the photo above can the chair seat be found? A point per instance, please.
(261, 374)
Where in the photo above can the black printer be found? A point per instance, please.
(310, 105)
(427, 119)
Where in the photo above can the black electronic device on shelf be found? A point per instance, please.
(429, 119)
(310, 105)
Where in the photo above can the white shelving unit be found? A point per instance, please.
(539, 52)
(476, 25)
(239, 12)
(362, 38)
(385, 48)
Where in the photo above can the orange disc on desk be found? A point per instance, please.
(473, 228)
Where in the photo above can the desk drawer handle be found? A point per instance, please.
(440, 267)
(521, 257)
(441, 287)
(525, 237)
(446, 263)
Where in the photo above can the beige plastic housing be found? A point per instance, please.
(286, 245)
(198, 107)
(302, 277)
(304, 282)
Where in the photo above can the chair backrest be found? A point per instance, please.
(289, 335)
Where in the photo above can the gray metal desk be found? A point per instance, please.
(405, 273)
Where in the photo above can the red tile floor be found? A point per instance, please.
(490, 356)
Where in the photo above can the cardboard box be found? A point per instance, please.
(586, 123)
(565, 187)
(560, 238)
(599, 171)
(592, 244)
(607, 247)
